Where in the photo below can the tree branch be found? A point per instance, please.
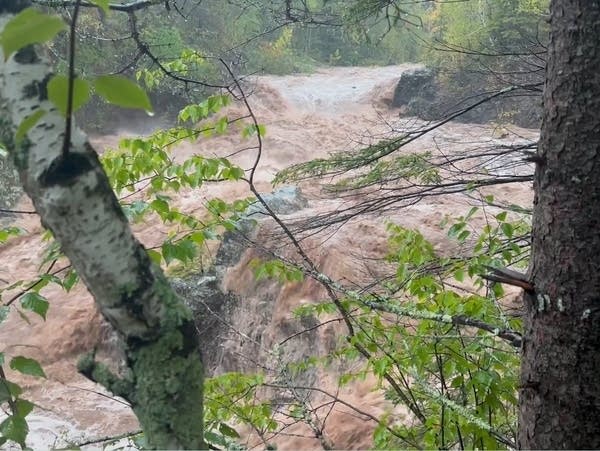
(123, 7)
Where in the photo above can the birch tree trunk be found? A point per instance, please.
(74, 200)
(560, 389)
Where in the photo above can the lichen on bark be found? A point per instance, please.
(165, 388)
(71, 193)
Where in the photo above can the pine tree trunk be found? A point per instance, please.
(560, 377)
(73, 197)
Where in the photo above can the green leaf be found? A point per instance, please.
(214, 438)
(27, 366)
(58, 89)
(154, 256)
(15, 428)
(198, 237)
(27, 123)
(121, 91)
(4, 310)
(70, 280)
(221, 125)
(36, 303)
(507, 229)
(471, 212)
(462, 236)
(160, 205)
(248, 131)
(28, 27)
(9, 390)
(455, 229)
(169, 252)
(24, 407)
(102, 4)
(459, 275)
(228, 431)
(7, 232)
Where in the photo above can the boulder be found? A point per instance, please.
(219, 312)
(284, 201)
(414, 84)
(421, 93)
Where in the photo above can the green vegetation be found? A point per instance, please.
(434, 335)
(481, 47)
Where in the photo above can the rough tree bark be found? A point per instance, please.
(74, 200)
(560, 389)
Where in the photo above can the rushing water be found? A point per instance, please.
(306, 116)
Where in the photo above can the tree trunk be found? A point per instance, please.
(560, 376)
(74, 200)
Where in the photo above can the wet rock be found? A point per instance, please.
(414, 84)
(212, 309)
(230, 326)
(433, 96)
(284, 201)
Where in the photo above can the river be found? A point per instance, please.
(306, 116)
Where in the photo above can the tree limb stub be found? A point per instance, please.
(509, 277)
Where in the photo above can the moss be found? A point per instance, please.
(168, 392)
(191, 268)
(175, 311)
(10, 189)
(101, 374)
(166, 383)
(168, 374)
(168, 309)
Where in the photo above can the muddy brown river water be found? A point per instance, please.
(306, 116)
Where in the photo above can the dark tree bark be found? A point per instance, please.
(560, 377)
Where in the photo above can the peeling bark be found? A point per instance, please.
(74, 200)
(559, 393)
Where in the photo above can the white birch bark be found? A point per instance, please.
(75, 201)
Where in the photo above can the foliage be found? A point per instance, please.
(378, 33)
(491, 27)
(480, 47)
(14, 427)
(29, 27)
(276, 269)
(135, 162)
(370, 158)
(458, 383)
(278, 56)
(233, 397)
(248, 36)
